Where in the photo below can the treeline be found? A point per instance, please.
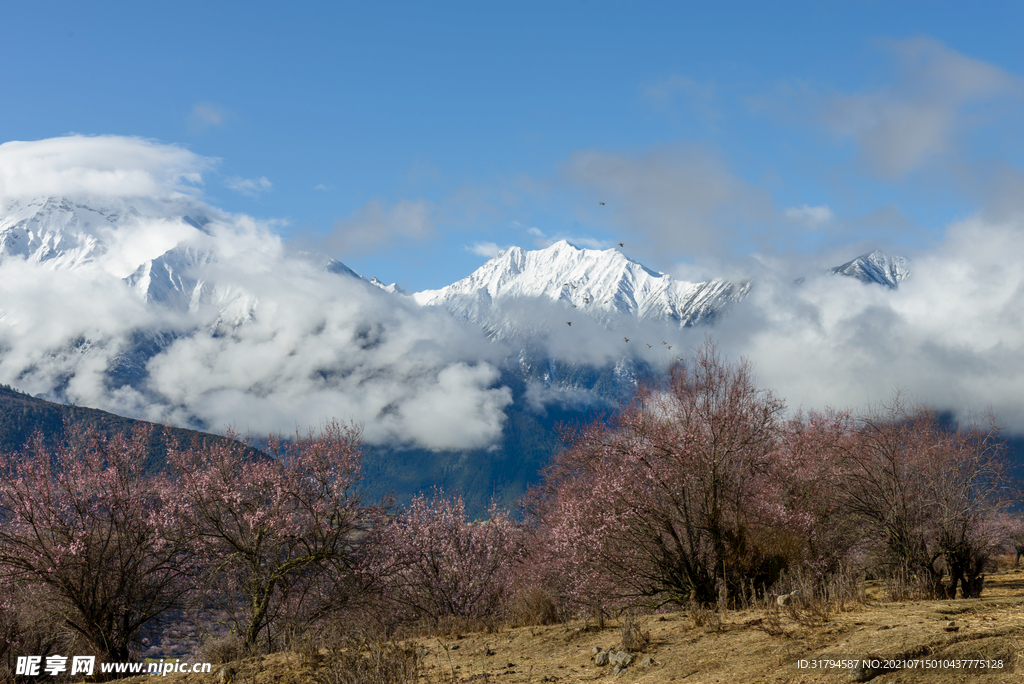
(702, 492)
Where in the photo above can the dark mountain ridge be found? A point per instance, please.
(22, 416)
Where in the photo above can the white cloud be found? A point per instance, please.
(949, 336)
(322, 345)
(78, 166)
(321, 187)
(250, 187)
(484, 249)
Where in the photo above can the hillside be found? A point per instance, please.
(22, 415)
(741, 646)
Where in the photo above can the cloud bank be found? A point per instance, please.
(949, 336)
(225, 325)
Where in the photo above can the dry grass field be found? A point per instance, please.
(753, 645)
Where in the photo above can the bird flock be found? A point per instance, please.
(586, 300)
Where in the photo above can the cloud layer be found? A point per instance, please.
(262, 338)
(268, 340)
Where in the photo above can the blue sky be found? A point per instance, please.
(410, 139)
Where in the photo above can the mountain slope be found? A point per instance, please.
(22, 416)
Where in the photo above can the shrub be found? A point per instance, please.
(534, 606)
(222, 649)
(674, 495)
(368, 662)
(929, 497)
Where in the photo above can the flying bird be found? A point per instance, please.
(670, 346)
(568, 323)
(586, 300)
(626, 338)
(574, 306)
(602, 204)
(621, 245)
(648, 346)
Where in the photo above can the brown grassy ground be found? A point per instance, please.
(748, 646)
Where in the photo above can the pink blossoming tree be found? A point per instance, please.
(681, 491)
(432, 563)
(930, 495)
(86, 532)
(277, 532)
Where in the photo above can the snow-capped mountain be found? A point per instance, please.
(166, 253)
(601, 284)
(175, 278)
(876, 267)
(53, 231)
(180, 275)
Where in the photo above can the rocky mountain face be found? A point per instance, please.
(53, 231)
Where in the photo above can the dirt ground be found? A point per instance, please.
(747, 646)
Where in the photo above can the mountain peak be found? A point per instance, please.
(602, 284)
(392, 288)
(876, 267)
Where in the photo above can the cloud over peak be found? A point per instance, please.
(78, 166)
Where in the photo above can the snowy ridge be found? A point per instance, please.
(166, 253)
(393, 288)
(603, 284)
(175, 278)
(52, 231)
(876, 267)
